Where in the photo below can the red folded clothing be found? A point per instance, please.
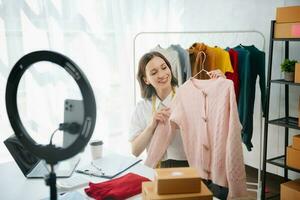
(117, 189)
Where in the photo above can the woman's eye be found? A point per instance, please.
(153, 73)
(164, 67)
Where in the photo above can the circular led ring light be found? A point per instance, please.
(50, 153)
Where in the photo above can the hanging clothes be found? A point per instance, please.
(222, 61)
(184, 61)
(172, 56)
(216, 58)
(251, 64)
(258, 63)
(196, 59)
(206, 113)
(234, 76)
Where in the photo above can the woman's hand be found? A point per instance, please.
(160, 116)
(216, 74)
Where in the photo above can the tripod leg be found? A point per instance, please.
(51, 181)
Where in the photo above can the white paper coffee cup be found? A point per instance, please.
(96, 149)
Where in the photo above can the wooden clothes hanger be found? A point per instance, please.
(202, 64)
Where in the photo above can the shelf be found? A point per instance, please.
(289, 122)
(282, 81)
(286, 39)
(279, 161)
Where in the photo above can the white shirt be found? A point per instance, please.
(141, 118)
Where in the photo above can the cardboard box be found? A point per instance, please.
(299, 113)
(177, 180)
(288, 14)
(297, 73)
(148, 193)
(296, 142)
(292, 157)
(290, 190)
(287, 30)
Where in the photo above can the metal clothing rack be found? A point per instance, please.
(258, 184)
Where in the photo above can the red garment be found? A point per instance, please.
(235, 75)
(118, 189)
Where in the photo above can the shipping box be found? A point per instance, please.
(296, 142)
(288, 14)
(293, 157)
(290, 190)
(287, 30)
(177, 180)
(297, 73)
(299, 113)
(148, 193)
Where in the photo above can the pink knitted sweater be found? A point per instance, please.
(206, 113)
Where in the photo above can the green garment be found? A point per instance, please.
(251, 63)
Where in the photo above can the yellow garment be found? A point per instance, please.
(222, 59)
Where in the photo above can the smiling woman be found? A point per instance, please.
(155, 75)
(158, 87)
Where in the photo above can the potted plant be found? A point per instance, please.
(288, 67)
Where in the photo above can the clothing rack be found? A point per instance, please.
(262, 37)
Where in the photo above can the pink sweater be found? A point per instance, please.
(206, 113)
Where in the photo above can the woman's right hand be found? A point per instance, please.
(160, 116)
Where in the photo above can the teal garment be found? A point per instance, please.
(251, 63)
(258, 62)
(243, 102)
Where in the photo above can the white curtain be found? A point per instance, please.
(95, 34)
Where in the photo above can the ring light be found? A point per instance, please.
(50, 153)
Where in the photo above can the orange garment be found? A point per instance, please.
(196, 59)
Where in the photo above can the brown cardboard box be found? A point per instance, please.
(148, 193)
(290, 190)
(292, 157)
(299, 113)
(177, 180)
(297, 73)
(287, 30)
(296, 142)
(288, 14)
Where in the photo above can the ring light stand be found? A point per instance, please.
(50, 153)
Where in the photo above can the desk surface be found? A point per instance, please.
(15, 186)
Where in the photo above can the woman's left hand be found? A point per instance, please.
(216, 74)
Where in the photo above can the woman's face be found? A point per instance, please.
(158, 74)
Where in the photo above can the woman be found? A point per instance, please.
(158, 87)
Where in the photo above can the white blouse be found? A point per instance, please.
(141, 118)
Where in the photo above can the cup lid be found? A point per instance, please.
(96, 142)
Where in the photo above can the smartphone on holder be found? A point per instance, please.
(73, 112)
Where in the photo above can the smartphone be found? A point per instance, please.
(73, 112)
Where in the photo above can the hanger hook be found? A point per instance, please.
(204, 58)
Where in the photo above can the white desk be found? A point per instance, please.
(15, 186)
